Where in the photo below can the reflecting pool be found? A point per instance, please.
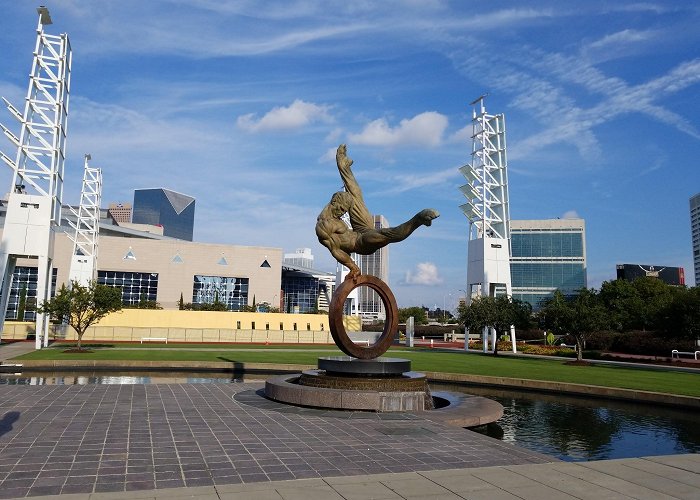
(575, 428)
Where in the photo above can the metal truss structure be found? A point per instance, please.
(488, 264)
(487, 178)
(34, 204)
(86, 226)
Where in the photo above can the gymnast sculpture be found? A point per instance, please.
(363, 237)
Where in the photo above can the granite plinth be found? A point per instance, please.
(409, 381)
(348, 365)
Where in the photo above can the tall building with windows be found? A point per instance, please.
(547, 255)
(695, 232)
(120, 212)
(163, 207)
(302, 257)
(370, 303)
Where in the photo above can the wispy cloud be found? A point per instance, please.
(295, 116)
(400, 183)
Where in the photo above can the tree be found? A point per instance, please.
(579, 316)
(82, 306)
(22, 305)
(181, 303)
(418, 313)
(477, 315)
(623, 303)
(655, 296)
(499, 313)
(682, 314)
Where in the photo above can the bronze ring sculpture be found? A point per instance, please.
(335, 315)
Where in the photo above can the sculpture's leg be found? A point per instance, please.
(371, 241)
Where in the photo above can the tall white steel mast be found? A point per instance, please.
(34, 204)
(488, 265)
(86, 227)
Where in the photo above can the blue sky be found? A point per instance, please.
(242, 104)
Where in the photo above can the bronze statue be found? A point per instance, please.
(363, 238)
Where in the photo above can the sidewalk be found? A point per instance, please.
(11, 349)
(664, 477)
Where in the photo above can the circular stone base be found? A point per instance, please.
(347, 365)
(286, 389)
(461, 410)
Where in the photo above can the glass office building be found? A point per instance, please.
(547, 255)
(162, 207)
(300, 291)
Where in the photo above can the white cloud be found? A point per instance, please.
(296, 115)
(407, 182)
(621, 37)
(328, 156)
(426, 273)
(424, 129)
(571, 214)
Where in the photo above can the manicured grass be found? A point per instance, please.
(665, 381)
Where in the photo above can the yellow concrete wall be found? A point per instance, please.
(197, 326)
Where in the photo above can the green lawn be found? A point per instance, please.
(665, 381)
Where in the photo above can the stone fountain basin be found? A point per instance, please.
(460, 410)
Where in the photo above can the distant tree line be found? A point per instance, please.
(643, 308)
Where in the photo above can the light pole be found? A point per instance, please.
(443, 306)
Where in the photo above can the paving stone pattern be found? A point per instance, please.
(61, 439)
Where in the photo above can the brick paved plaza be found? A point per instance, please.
(60, 439)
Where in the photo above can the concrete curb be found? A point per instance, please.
(456, 378)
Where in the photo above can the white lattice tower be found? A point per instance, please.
(85, 235)
(488, 265)
(487, 178)
(34, 204)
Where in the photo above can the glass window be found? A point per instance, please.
(231, 291)
(24, 283)
(300, 292)
(136, 287)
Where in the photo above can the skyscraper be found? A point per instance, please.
(376, 264)
(695, 231)
(547, 255)
(162, 207)
(120, 212)
(302, 257)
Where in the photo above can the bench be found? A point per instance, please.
(677, 354)
(155, 339)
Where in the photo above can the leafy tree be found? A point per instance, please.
(22, 305)
(623, 303)
(579, 316)
(523, 314)
(499, 313)
(655, 296)
(418, 313)
(82, 306)
(681, 316)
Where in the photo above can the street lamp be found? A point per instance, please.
(443, 306)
